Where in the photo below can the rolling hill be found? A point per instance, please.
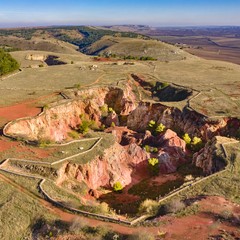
(123, 47)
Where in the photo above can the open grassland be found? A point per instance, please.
(15, 96)
(38, 43)
(62, 196)
(23, 57)
(17, 212)
(123, 47)
(218, 82)
(31, 184)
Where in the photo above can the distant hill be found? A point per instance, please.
(66, 39)
(120, 41)
(134, 47)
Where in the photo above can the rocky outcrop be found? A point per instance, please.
(112, 120)
(171, 151)
(122, 101)
(36, 57)
(116, 164)
(186, 121)
(57, 121)
(211, 158)
(54, 124)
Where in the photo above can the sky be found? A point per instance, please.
(17, 13)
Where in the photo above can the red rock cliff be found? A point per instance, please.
(57, 121)
(116, 164)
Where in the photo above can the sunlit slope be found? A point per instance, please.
(123, 47)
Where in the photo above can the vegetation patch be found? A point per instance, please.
(7, 63)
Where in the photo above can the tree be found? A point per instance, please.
(160, 128)
(153, 161)
(151, 124)
(7, 63)
(153, 164)
(156, 128)
(196, 144)
(117, 187)
(187, 139)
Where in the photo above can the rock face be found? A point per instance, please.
(211, 158)
(186, 121)
(116, 164)
(36, 57)
(112, 120)
(171, 150)
(57, 121)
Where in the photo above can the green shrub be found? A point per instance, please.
(117, 187)
(153, 161)
(147, 148)
(86, 125)
(187, 139)
(45, 106)
(196, 144)
(160, 128)
(77, 85)
(104, 110)
(189, 210)
(110, 110)
(155, 128)
(153, 164)
(7, 63)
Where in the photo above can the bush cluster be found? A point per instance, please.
(7, 63)
(155, 128)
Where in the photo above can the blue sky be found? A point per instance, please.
(106, 12)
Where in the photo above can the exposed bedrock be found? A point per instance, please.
(116, 164)
(185, 121)
(57, 121)
(211, 158)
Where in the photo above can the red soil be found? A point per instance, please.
(200, 226)
(24, 151)
(205, 223)
(23, 109)
(18, 111)
(5, 145)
